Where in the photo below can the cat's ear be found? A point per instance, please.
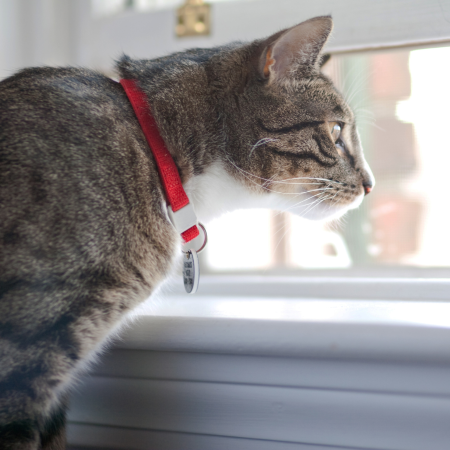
(295, 49)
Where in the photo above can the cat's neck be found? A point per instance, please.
(195, 137)
(181, 104)
(216, 183)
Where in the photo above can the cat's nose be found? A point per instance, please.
(367, 179)
(368, 186)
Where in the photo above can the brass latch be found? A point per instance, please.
(193, 19)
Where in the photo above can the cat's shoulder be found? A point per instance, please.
(31, 76)
(56, 83)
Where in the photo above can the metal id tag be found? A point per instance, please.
(191, 271)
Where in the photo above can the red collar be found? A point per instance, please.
(180, 210)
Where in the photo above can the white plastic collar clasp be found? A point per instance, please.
(182, 220)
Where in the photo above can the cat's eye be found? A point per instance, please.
(335, 129)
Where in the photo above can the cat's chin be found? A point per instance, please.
(324, 211)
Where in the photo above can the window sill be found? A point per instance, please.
(276, 373)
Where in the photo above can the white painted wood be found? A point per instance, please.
(291, 339)
(324, 417)
(35, 33)
(109, 438)
(326, 384)
(383, 312)
(10, 53)
(340, 287)
(406, 378)
(359, 25)
(66, 32)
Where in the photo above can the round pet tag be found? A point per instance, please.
(191, 271)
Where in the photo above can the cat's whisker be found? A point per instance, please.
(318, 202)
(361, 79)
(356, 87)
(288, 209)
(262, 141)
(248, 175)
(344, 87)
(269, 181)
(307, 192)
(331, 203)
(372, 123)
(300, 193)
(304, 200)
(286, 230)
(308, 183)
(284, 181)
(363, 111)
(314, 178)
(321, 192)
(357, 76)
(310, 207)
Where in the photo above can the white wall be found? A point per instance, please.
(59, 32)
(36, 32)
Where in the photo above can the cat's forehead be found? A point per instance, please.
(320, 97)
(308, 99)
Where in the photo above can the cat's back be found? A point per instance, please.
(45, 104)
(75, 179)
(30, 84)
(58, 135)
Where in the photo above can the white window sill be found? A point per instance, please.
(260, 373)
(242, 316)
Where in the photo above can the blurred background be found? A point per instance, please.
(395, 78)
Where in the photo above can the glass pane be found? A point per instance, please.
(401, 101)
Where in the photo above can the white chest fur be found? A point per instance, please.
(216, 192)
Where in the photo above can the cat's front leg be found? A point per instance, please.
(20, 435)
(36, 433)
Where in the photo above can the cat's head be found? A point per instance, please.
(291, 135)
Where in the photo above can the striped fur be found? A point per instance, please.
(83, 230)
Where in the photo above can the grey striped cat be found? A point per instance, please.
(84, 231)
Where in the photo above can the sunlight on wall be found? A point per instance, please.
(239, 241)
(313, 246)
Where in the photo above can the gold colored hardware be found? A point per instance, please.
(193, 19)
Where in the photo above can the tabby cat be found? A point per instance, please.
(84, 231)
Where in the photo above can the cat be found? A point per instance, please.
(84, 231)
